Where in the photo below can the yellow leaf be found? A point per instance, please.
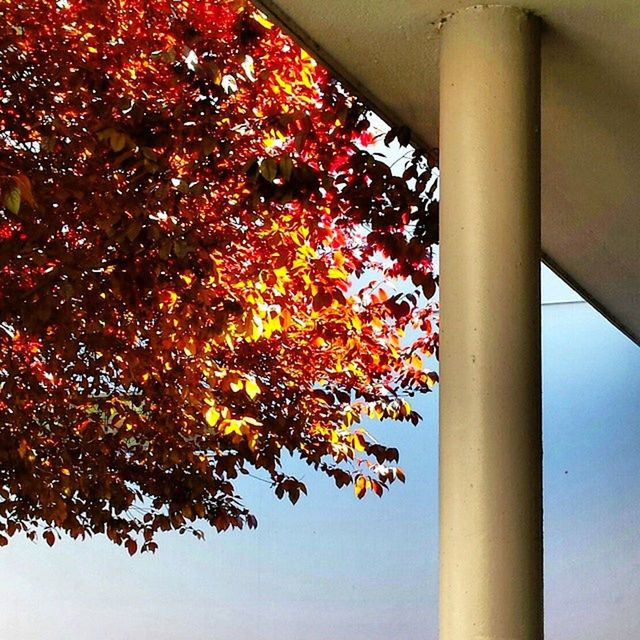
(280, 273)
(336, 273)
(173, 296)
(190, 348)
(251, 387)
(12, 200)
(233, 426)
(273, 324)
(212, 416)
(261, 19)
(257, 327)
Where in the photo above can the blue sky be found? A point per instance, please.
(334, 567)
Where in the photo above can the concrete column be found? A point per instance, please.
(490, 417)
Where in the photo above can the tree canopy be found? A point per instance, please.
(201, 270)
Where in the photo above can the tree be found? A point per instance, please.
(190, 217)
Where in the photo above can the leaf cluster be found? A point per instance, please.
(186, 216)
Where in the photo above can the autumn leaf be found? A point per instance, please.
(377, 488)
(12, 200)
(212, 416)
(26, 192)
(251, 387)
(117, 141)
(269, 169)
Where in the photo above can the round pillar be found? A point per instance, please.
(490, 413)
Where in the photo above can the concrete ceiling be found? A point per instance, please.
(387, 50)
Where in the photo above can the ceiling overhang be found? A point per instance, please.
(388, 52)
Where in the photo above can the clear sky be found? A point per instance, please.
(336, 568)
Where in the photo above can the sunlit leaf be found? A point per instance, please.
(251, 387)
(212, 416)
(12, 200)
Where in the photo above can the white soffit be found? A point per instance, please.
(387, 50)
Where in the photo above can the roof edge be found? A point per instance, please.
(596, 304)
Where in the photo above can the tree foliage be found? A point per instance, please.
(190, 219)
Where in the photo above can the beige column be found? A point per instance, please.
(490, 418)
